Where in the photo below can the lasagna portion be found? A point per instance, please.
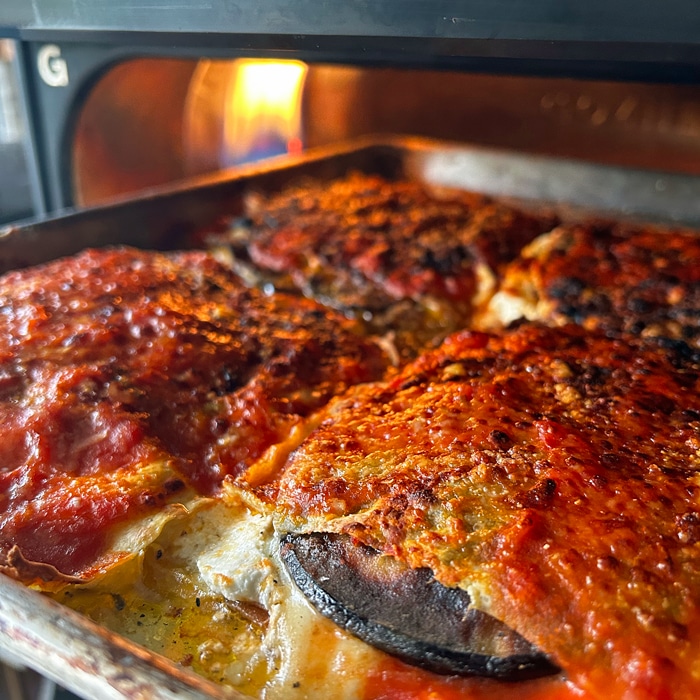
(408, 259)
(132, 383)
(613, 277)
(552, 473)
(179, 427)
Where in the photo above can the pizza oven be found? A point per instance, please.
(104, 103)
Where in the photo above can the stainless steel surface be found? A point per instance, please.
(99, 665)
(15, 193)
(643, 194)
(19, 683)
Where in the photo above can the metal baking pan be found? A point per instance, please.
(97, 664)
(166, 218)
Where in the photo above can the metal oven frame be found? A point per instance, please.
(64, 47)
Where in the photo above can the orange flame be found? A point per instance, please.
(263, 110)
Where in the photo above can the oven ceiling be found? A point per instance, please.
(612, 38)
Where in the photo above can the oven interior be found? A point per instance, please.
(215, 114)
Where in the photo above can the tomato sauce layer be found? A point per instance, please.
(128, 376)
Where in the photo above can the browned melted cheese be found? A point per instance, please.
(412, 259)
(612, 277)
(551, 472)
(128, 378)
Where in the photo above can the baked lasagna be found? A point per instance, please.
(452, 443)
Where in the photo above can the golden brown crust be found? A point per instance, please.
(552, 473)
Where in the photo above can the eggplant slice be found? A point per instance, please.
(406, 612)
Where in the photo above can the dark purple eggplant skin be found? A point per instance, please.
(406, 612)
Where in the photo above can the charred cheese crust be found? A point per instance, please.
(552, 473)
(409, 259)
(616, 278)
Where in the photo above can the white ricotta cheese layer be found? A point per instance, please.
(307, 656)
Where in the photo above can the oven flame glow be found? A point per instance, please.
(263, 110)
